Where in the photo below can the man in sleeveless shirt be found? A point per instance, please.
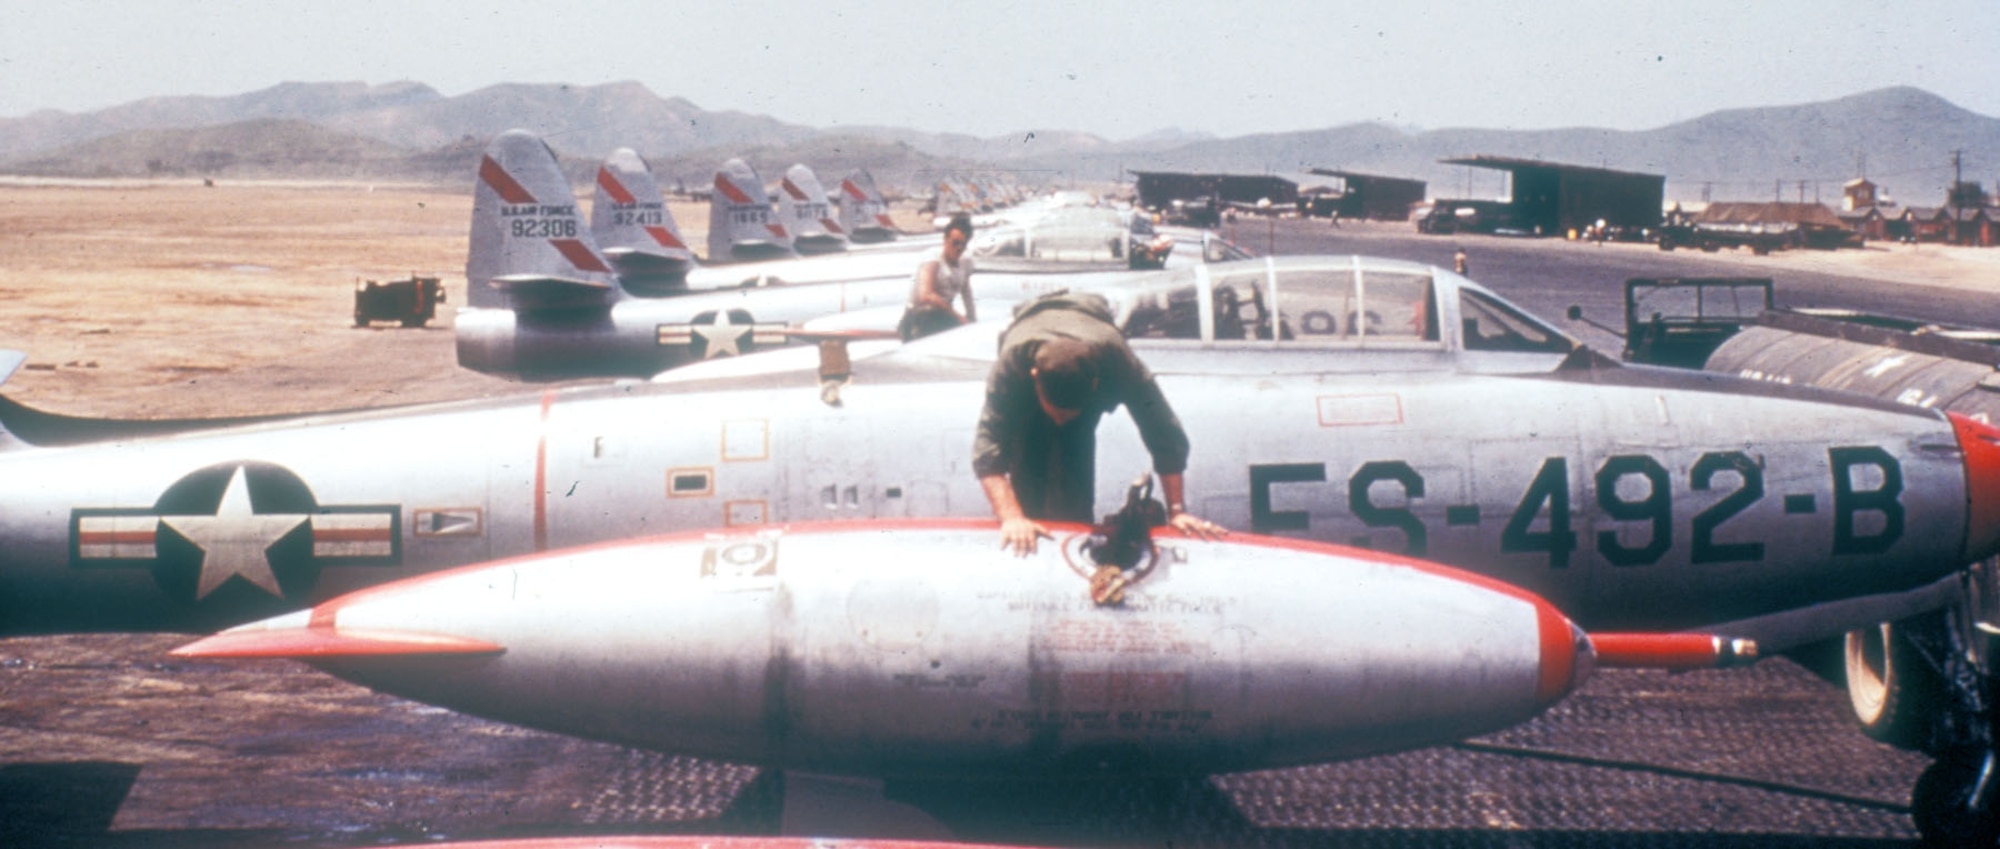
(1063, 364)
(939, 281)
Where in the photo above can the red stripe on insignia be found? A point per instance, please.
(852, 190)
(777, 230)
(612, 187)
(493, 175)
(884, 221)
(729, 190)
(665, 237)
(792, 189)
(579, 254)
(351, 534)
(832, 226)
(115, 537)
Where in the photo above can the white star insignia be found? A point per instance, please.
(234, 540)
(1886, 365)
(722, 336)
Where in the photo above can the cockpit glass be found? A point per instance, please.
(1329, 304)
(1162, 306)
(1081, 237)
(1310, 303)
(1243, 305)
(1493, 326)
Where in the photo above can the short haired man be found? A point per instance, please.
(939, 281)
(1062, 366)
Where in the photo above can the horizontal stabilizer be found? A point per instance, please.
(529, 292)
(518, 282)
(1672, 651)
(318, 643)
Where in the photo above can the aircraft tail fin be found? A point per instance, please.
(631, 223)
(741, 223)
(529, 245)
(803, 207)
(862, 209)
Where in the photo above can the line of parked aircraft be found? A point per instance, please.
(1430, 483)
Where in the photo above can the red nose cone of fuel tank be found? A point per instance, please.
(1566, 654)
(1981, 444)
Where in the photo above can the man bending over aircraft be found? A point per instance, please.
(939, 281)
(1062, 366)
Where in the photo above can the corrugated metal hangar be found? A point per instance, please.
(1374, 197)
(1158, 189)
(1552, 198)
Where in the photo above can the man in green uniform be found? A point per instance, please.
(1062, 366)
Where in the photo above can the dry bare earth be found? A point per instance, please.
(175, 299)
(172, 299)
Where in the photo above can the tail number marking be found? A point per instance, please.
(1634, 503)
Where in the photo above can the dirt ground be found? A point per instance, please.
(159, 300)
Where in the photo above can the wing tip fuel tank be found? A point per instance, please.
(1205, 636)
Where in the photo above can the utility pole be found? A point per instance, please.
(1951, 199)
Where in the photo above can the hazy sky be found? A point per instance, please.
(990, 67)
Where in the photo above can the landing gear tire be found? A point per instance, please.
(1953, 802)
(1894, 694)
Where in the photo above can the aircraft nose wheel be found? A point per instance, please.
(1954, 801)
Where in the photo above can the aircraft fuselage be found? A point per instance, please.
(1627, 501)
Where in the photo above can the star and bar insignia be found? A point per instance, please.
(249, 523)
(722, 333)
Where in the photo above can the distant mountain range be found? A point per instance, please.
(1901, 138)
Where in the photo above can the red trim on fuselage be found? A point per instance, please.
(542, 475)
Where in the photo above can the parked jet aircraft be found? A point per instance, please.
(863, 212)
(546, 303)
(1352, 400)
(918, 648)
(1316, 391)
(803, 209)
